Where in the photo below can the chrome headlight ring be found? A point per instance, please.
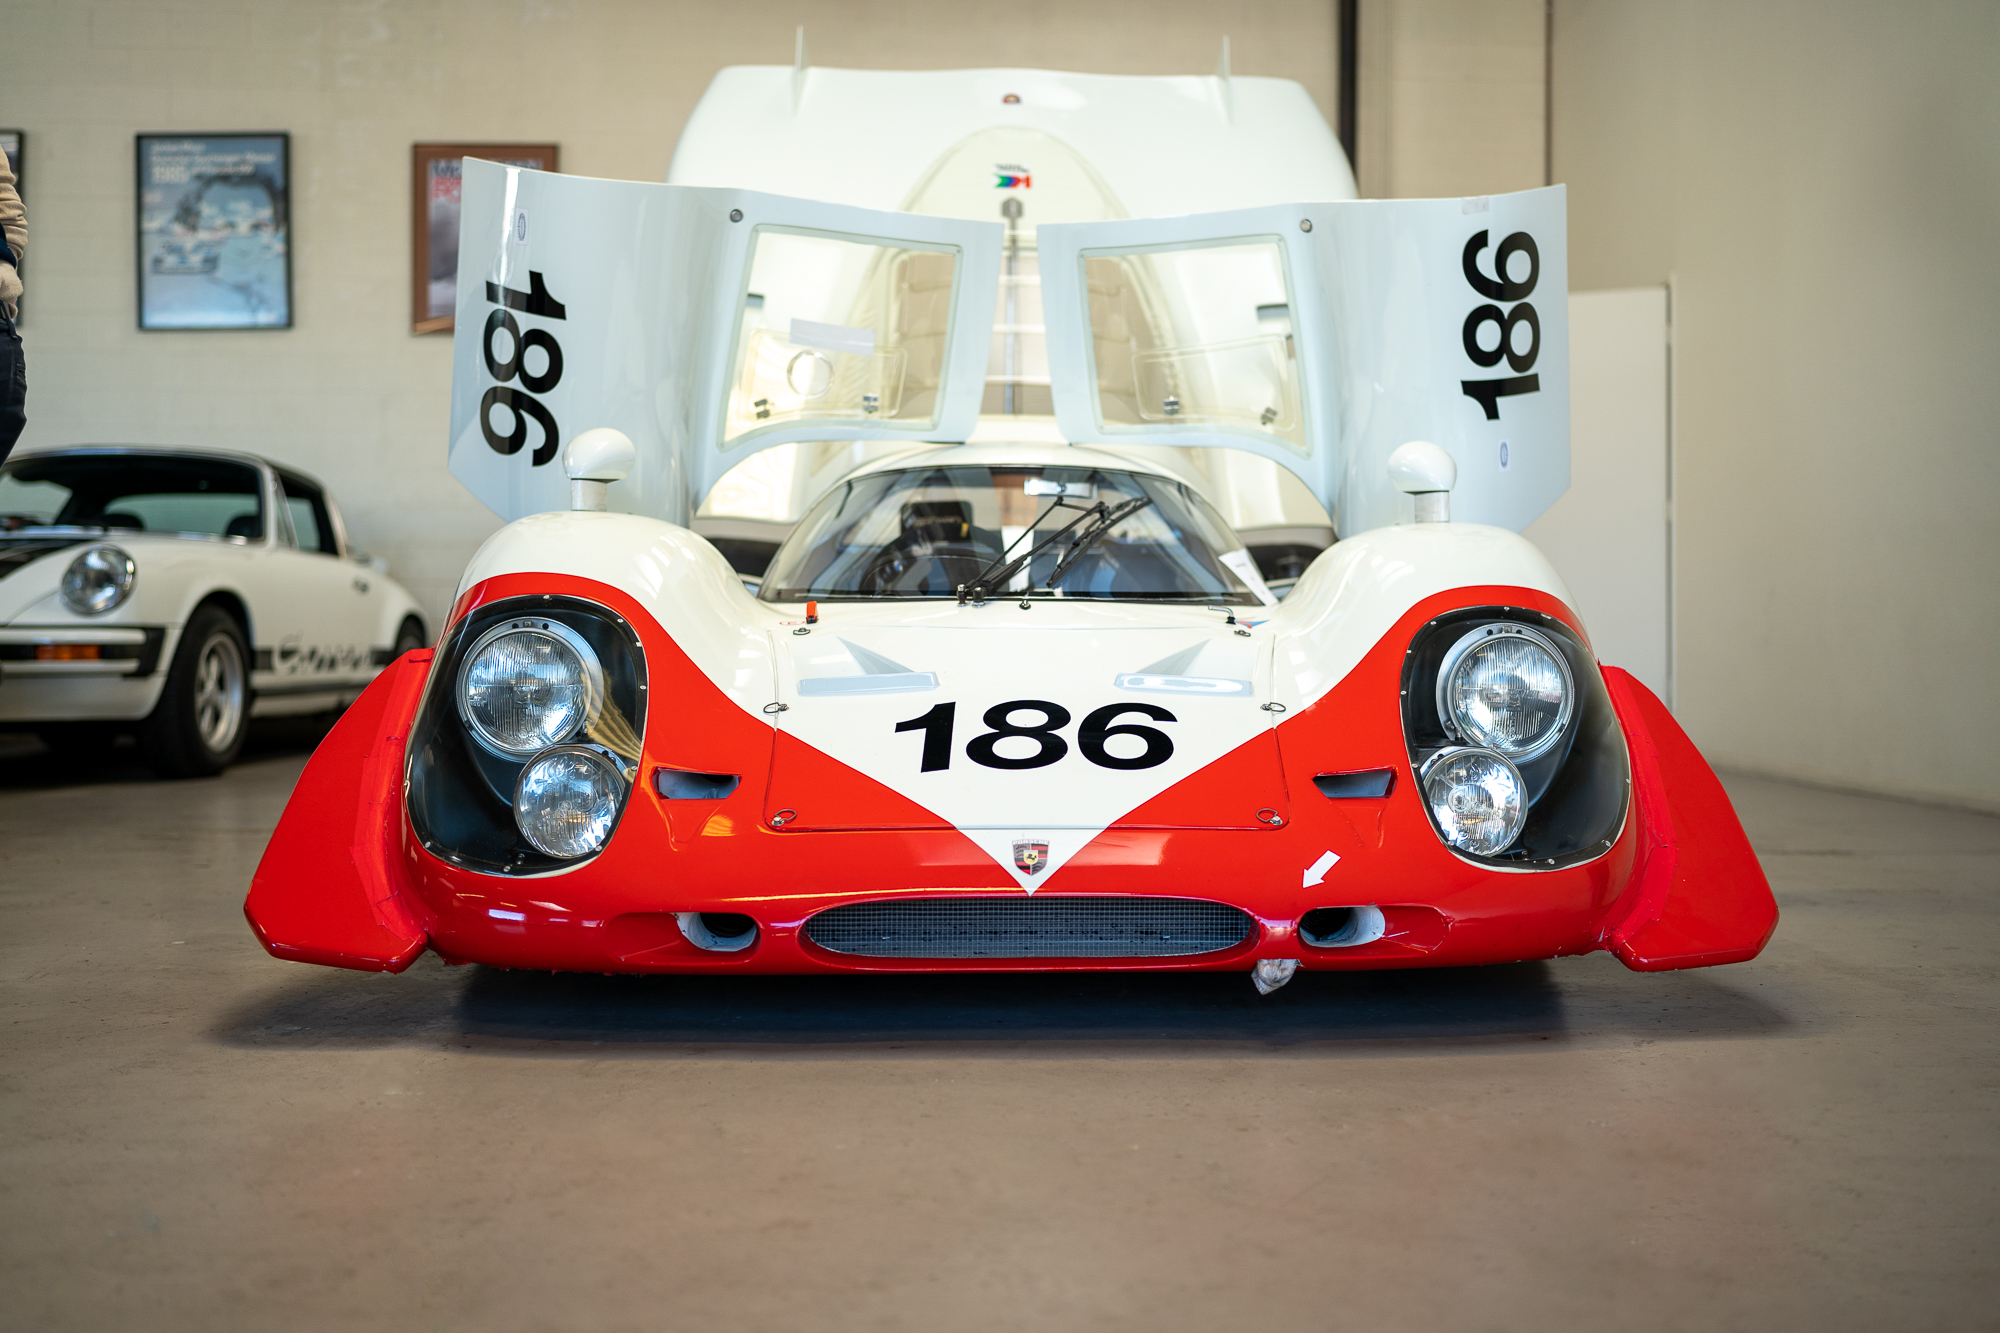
(577, 706)
(1476, 797)
(1461, 654)
(568, 799)
(1574, 790)
(98, 580)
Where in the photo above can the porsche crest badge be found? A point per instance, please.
(1031, 856)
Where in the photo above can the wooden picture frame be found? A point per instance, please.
(434, 177)
(212, 231)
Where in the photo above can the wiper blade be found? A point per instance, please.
(994, 577)
(1110, 519)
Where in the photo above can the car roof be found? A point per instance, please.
(169, 451)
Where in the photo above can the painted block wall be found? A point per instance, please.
(1819, 182)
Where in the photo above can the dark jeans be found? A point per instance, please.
(13, 387)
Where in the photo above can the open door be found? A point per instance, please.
(706, 324)
(1322, 336)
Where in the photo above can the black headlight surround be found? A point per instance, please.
(1578, 792)
(460, 794)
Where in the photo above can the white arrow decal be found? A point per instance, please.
(1317, 870)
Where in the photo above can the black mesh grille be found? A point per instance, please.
(1023, 927)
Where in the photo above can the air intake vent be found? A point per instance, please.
(1024, 927)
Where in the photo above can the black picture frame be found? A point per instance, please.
(212, 231)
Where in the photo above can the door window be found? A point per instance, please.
(311, 524)
(840, 329)
(1196, 336)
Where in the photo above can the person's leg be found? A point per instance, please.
(13, 388)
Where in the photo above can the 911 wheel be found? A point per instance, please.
(409, 637)
(197, 728)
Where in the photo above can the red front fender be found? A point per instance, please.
(332, 874)
(1699, 896)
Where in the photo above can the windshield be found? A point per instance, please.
(927, 532)
(132, 492)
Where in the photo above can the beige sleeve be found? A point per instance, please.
(13, 218)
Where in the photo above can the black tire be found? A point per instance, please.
(409, 638)
(197, 728)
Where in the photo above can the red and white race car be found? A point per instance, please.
(1013, 693)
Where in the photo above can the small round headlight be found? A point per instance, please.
(1507, 688)
(1475, 796)
(98, 580)
(566, 802)
(528, 684)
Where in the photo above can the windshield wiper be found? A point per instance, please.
(994, 577)
(1110, 519)
(1102, 519)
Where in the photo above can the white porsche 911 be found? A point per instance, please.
(174, 593)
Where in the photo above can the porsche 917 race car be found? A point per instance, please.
(1013, 692)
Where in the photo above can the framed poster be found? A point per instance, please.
(434, 186)
(214, 233)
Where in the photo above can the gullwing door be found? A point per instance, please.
(706, 324)
(1322, 336)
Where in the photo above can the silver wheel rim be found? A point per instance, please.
(218, 692)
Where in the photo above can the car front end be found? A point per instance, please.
(631, 764)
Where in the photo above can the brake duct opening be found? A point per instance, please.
(718, 932)
(1342, 927)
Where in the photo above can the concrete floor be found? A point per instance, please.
(196, 1136)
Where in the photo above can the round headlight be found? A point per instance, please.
(567, 801)
(528, 684)
(1475, 795)
(98, 580)
(1508, 688)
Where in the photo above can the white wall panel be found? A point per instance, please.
(1608, 536)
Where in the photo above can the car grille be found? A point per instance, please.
(1023, 927)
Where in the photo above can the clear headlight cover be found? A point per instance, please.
(527, 685)
(566, 802)
(98, 580)
(1507, 688)
(1475, 796)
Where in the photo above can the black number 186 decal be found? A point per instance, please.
(1501, 288)
(1092, 737)
(525, 407)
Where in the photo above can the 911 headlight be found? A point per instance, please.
(98, 580)
(1507, 688)
(567, 801)
(528, 684)
(1476, 798)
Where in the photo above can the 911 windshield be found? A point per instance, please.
(930, 532)
(133, 492)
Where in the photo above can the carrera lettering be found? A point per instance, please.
(1502, 287)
